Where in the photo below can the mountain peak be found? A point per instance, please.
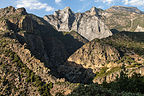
(10, 7)
(93, 11)
(93, 8)
(21, 10)
(11, 10)
(67, 8)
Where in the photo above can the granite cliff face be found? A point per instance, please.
(87, 24)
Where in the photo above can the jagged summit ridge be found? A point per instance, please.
(66, 10)
(94, 11)
(14, 19)
(87, 24)
(11, 10)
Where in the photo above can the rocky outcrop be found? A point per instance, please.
(8, 11)
(87, 24)
(94, 55)
(139, 29)
(15, 19)
(4, 25)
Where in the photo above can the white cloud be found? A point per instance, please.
(105, 1)
(134, 2)
(57, 1)
(33, 5)
(108, 1)
(125, 2)
(100, 7)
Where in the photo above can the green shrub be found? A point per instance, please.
(16, 58)
(124, 83)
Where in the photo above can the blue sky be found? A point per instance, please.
(46, 7)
